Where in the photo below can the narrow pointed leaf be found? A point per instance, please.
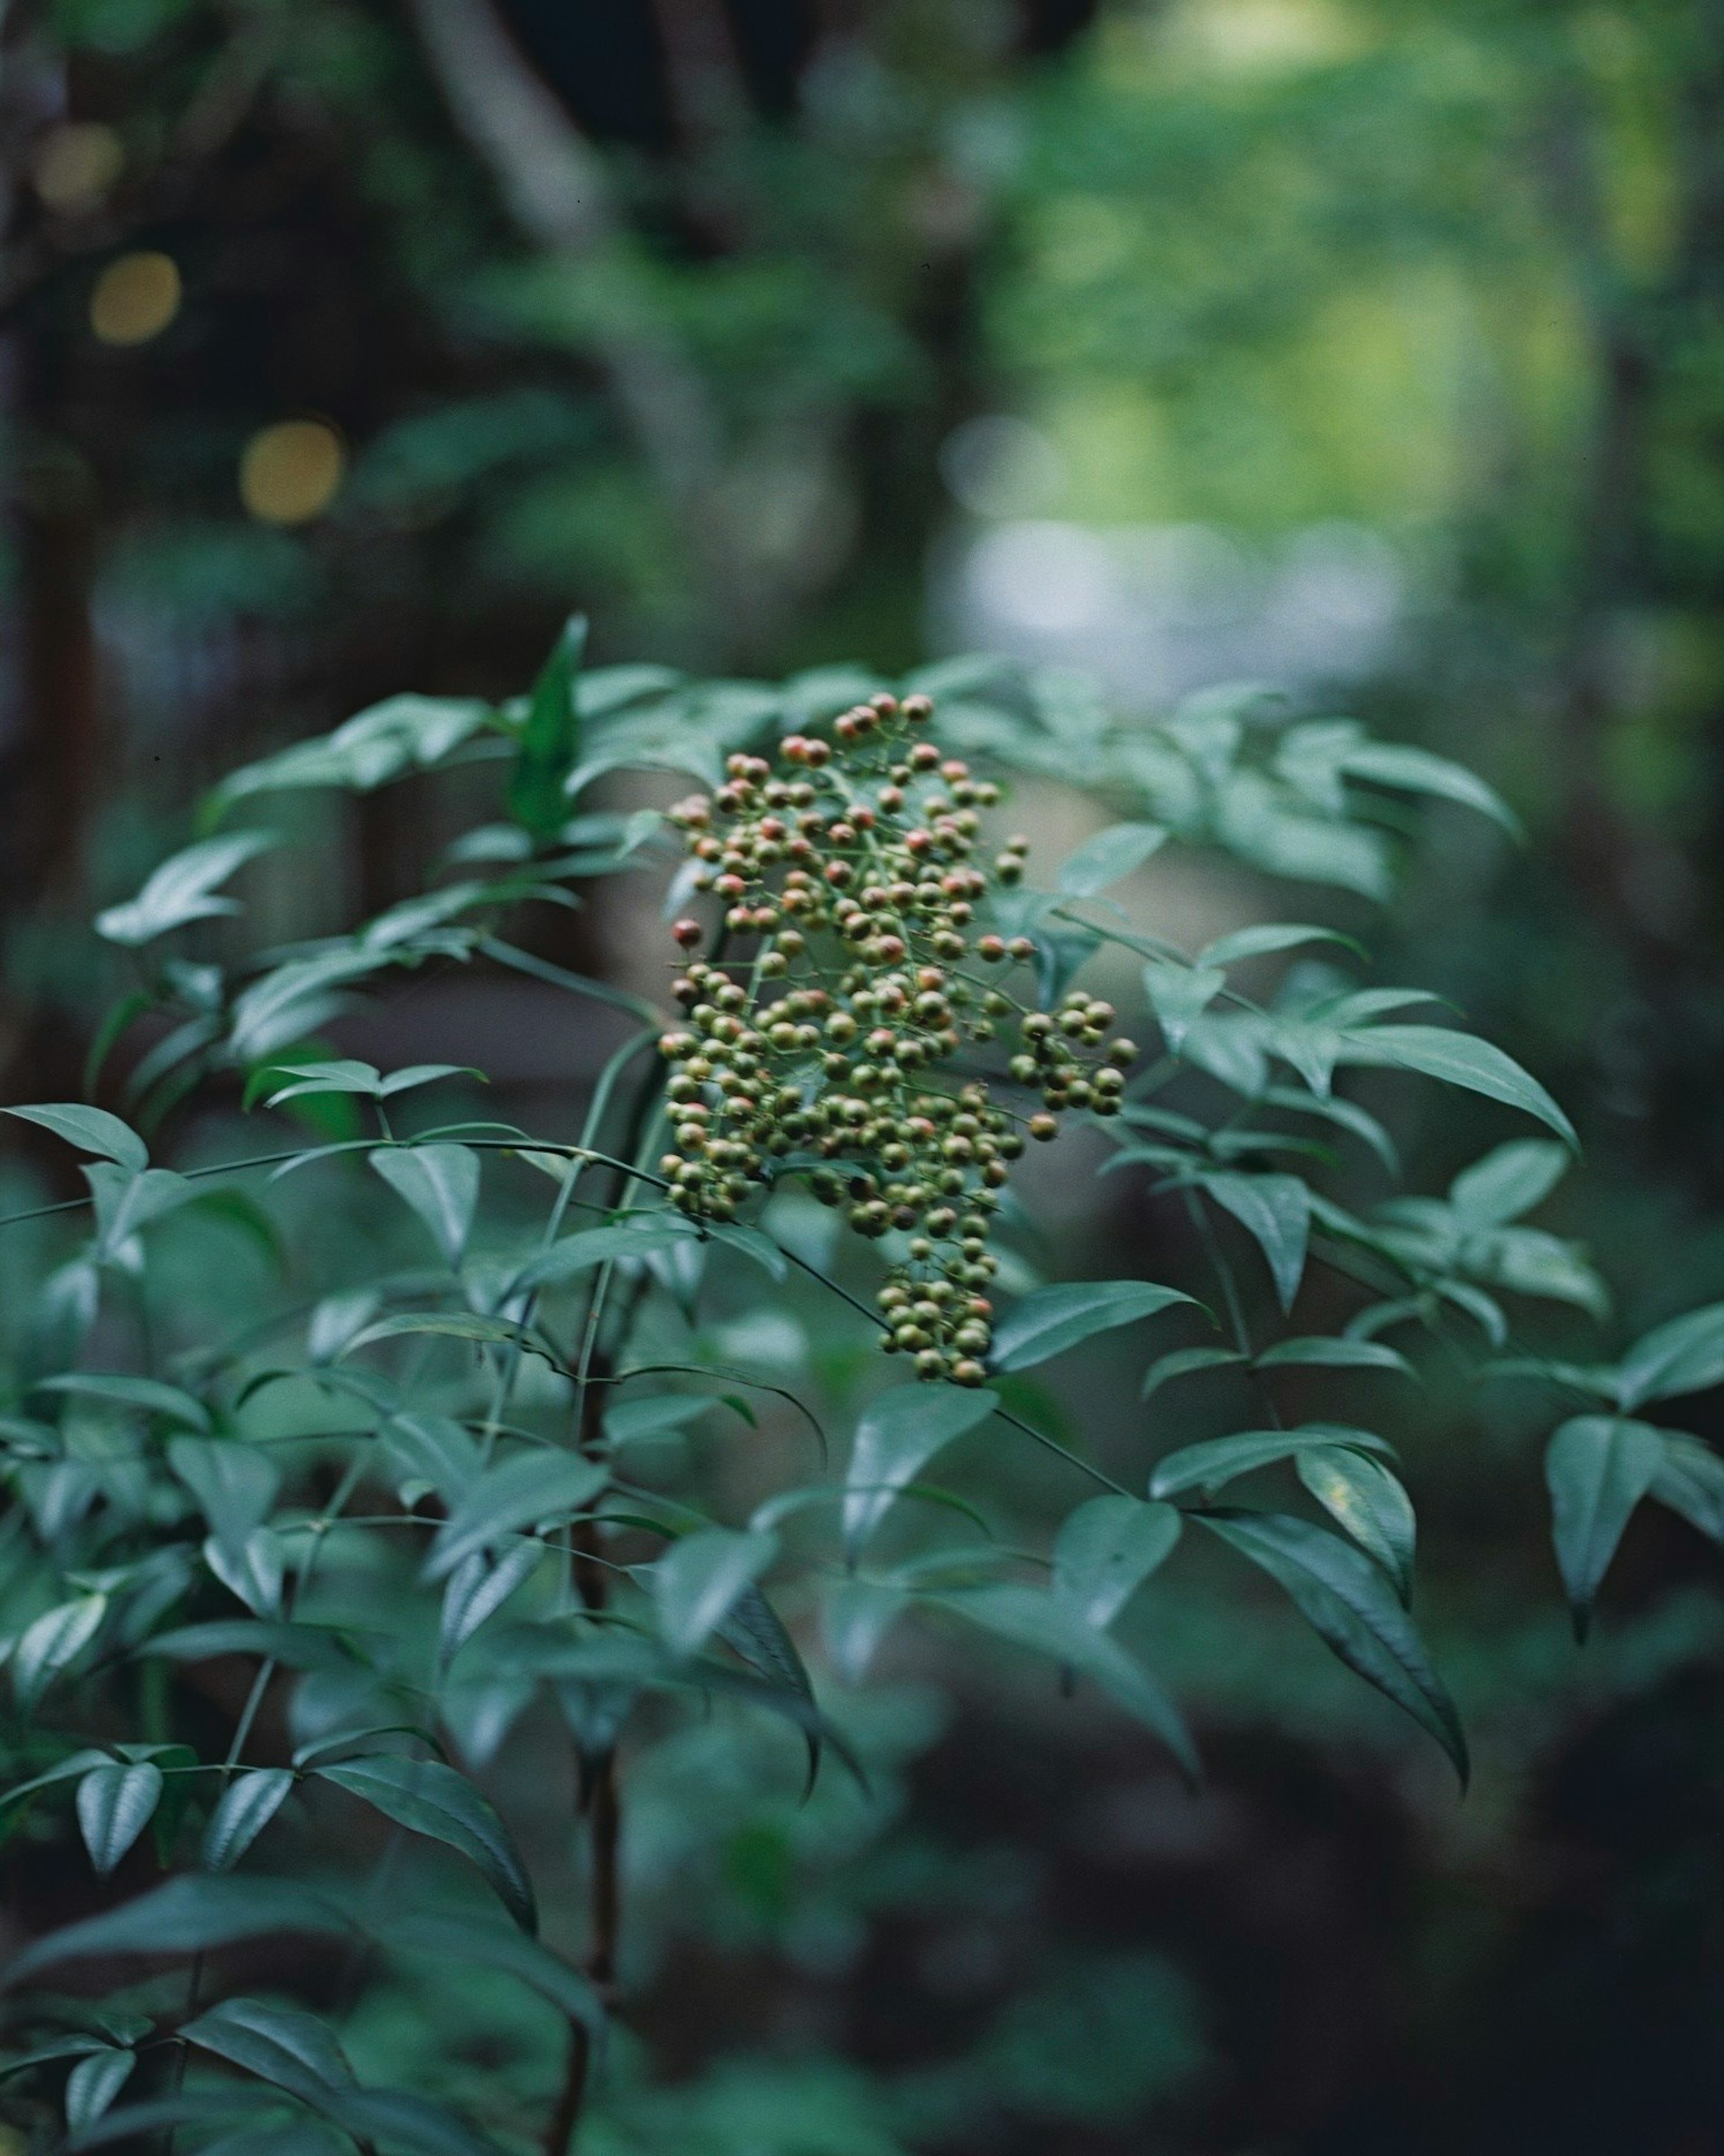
(1275, 1210)
(1109, 855)
(1185, 1363)
(1459, 1059)
(181, 890)
(433, 1800)
(114, 1805)
(699, 1580)
(1216, 1461)
(898, 1434)
(1049, 1320)
(1350, 1603)
(191, 1914)
(1106, 1550)
(233, 1483)
(247, 1804)
(440, 1183)
(1685, 1356)
(1691, 1482)
(149, 1395)
(1258, 942)
(284, 2045)
(1509, 1182)
(550, 738)
(522, 1491)
(478, 1589)
(93, 2084)
(1369, 1501)
(54, 1639)
(1180, 995)
(1335, 1353)
(91, 1130)
(1598, 1468)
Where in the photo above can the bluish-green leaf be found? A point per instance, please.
(182, 890)
(93, 2082)
(1685, 1356)
(440, 1183)
(1369, 1501)
(549, 738)
(1407, 770)
(544, 1483)
(1258, 942)
(1334, 1352)
(1185, 1363)
(1180, 995)
(1349, 1603)
(284, 2045)
(1106, 1550)
(1458, 1058)
(698, 1580)
(899, 1432)
(1049, 1320)
(1109, 855)
(53, 1641)
(91, 1130)
(1275, 1210)
(114, 1805)
(234, 1483)
(1691, 1482)
(433, 1800)
(191, 1914)
(1509, 1182)
(1215, 1462)
(1598, 1468)
(247, 1804)
(149, 1395)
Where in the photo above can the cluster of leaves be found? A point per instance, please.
(411, 1506)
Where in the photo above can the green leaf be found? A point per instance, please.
(433, 1800)
(247, 1804)
(898, 1433)
(1275, 1211)
(114, 1804)
(1109, 855)
(1106, 1550)
(1458, 1058)
(1215, 1462)
(1258, 942)
(181, 890)
(550, 738)
(393, 2119)
(1029, 1617)
(596, 1246)
(191, 1914)
(1369, 1501)
(252, 1569)
(1049, 1320)
(91, 1130)
(544, 1483)
(53, 1641)
(652, 1415)
(458, 1939)
(699, 1580)
(477, 1590)
(148, 1394)
(1180, 995)
(1185, 1363)
(1406, 770)
(440, 1183)
(93, 2084)
(434, 1449)
(855, 1615)
(1598, 1468)
(1685, 1356)
(1350, 1603)
(1691, 1482)
(1334, 1352)
(454, 1324)
(290, 2048)
(65, 1770)
(233, 1483)
(1508, 1181)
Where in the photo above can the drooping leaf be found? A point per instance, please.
(1106, 1550)
(195, 1912)
(1407, 770)
(148, 1394)
(252, 1567)
(1458, 1058)
(54, 1639)
(1215, 1462)
(1509, 1182)
(433, 1450)
(1349, 1601)
(477, 1590)
(470, 1939)
(114, 1805)
(1109, 855)
(1258, 942)
(91, 1130)
(233, 1483)
(1369, 1501)
(1049, 1320)
(1691, 1482)
(544, 1483)
(1180, 995)
(93, 2082)
(284, 2045)
(897, 1435)
(755, 1631)
(855, 1615)
(1685, 1356)
(454, 1325)
(699, 1580)
(440, 1183)
(433, 1800)
(1185, 1363)
(1030, 1617)
(64, 1770)
(1275, 1210)
(549, 738)
(1337, 1352)
(1598, 1468)
(596, 1246)
(412, 2125)
(247, 1804)
(182, 890)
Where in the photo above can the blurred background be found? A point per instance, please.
(1371, 348)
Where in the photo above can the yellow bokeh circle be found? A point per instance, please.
(136, 298)
(76, 163)
(290, 472)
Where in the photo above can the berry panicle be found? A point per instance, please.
(845, 867)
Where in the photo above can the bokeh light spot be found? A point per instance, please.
(136, 298)
(289, 472)
(76, 163)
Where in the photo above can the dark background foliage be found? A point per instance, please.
(769, 334)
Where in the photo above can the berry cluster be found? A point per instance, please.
(849, 870)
